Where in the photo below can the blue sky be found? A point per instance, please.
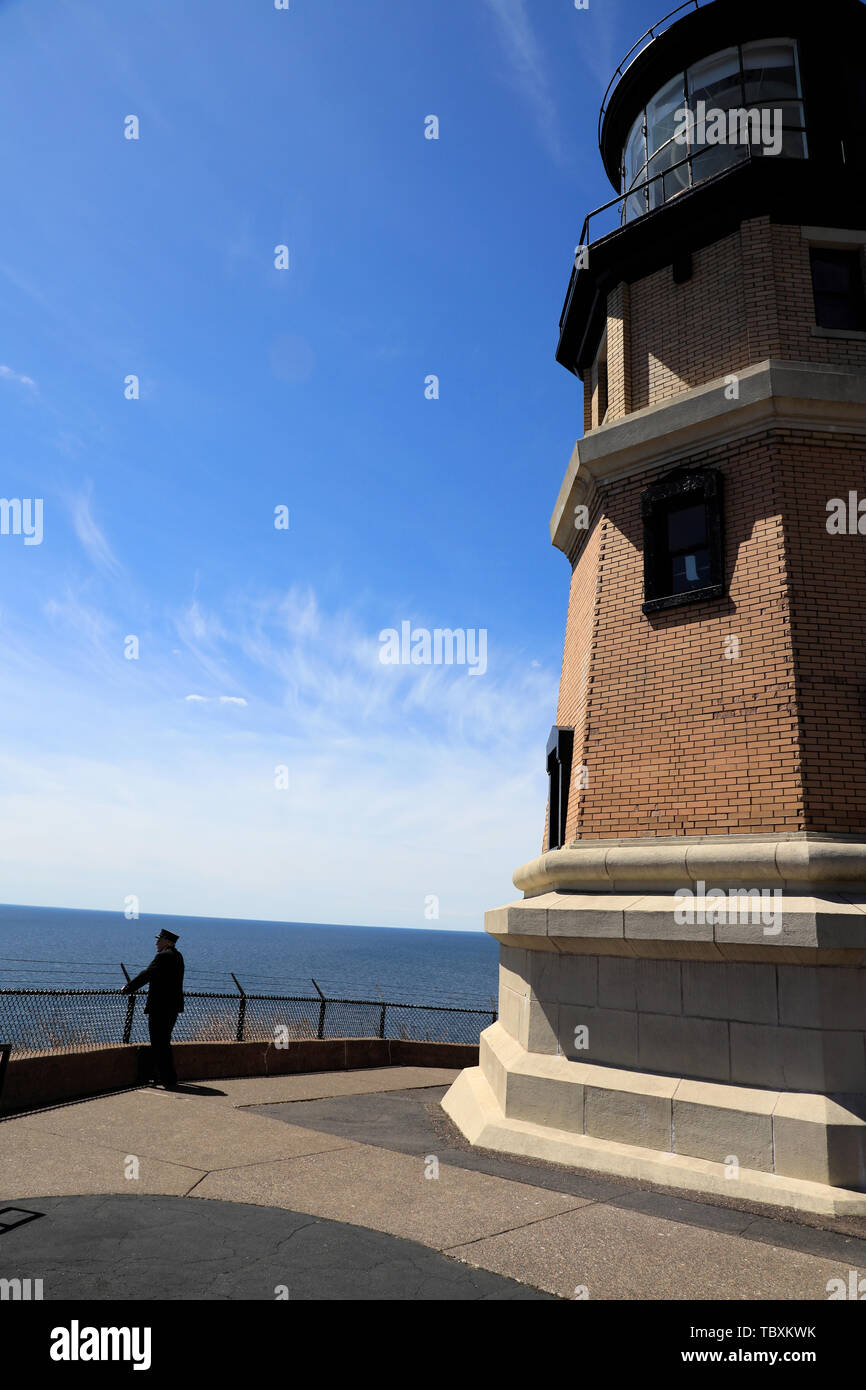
(303, 388)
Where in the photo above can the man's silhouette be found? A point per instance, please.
(164, 977)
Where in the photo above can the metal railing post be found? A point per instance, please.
(130, 1008)
(321, 1032)
(5, 1054)
(242, 1009)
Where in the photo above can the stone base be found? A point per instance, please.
(781, 1149)
(688, 1010)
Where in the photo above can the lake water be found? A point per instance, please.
(55, 948)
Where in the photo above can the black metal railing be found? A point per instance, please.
(641, 189)
(643, 42)
(71, 1020)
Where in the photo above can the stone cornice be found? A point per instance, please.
(741, 861)
(771, 395)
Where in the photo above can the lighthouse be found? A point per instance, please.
(682, 985)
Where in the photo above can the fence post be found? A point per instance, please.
(130, 1008)
(5, 1053)
(242, 1009)
(321, 1032)
(382, 1014)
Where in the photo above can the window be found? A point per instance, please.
(559, 750)
(717, 82)
(837, 284)
(755, 86)
(598, 408)
(663, 149)
(602, 389)
(683, 544)
(771, 82)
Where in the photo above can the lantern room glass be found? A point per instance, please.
(761, 77)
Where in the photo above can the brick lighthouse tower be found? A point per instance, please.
(682, 985)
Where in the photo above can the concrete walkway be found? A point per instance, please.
(355, 1185)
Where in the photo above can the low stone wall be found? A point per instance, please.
(55, 1077)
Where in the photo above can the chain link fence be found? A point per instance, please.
(73, 1020)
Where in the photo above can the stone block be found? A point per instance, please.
(830, 921)
(822, 997)
(563, 979)
(628, 1116)
(540, 1026)
(586, 915)
(612, 1035)
(732, 863)
(545, 1100)
(797, 1059)
(820, 1140)
(723, 1122)
(527, 918)
(510, 1010)
(646, 864)
(822, 862)
(676, 1046)
(653, 917)
(616, 982)
(731, 991)
(497, 1051)
(648, 949)
(513, 968)
(592, 946)
(658, 986)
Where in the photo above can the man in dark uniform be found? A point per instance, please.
(164, 977)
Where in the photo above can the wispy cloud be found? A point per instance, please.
(218, 699)
(324, 668)
(90, 629)
(528, 70)
(91, 536)
(201, 634)
(7, 374)
(441, 777)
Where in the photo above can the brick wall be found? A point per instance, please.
(827, 598)
(676, 736)
(618, 352)
(588, 390)
(684, 335)
(580, 637)
(749, 298)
